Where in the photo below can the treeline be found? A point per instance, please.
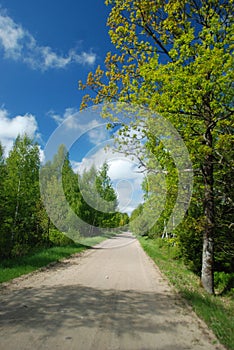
(187, 238)
(24, 221)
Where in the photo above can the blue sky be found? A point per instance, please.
(46, 47)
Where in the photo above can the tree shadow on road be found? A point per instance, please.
(50, 308)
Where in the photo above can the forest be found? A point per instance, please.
(25, 223)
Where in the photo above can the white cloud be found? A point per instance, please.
(10, 128)
(73, 120)
(120, 167)
(83, 58)
(19, 44)
(41, 154)
(124, 189)
(124, 168)
(97, 135)
(127, 181)
(11, 35)
(96, 159)
(67, 117)
(75, 166)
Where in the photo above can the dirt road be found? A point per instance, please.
(108, 298)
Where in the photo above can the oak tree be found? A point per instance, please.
(175, 57)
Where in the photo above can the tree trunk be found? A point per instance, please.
(207, 274)
(16, 212)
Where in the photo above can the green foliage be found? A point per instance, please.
(15, 267)
(20, 200)
(104, 187)
(177, 60)
(28, 213)
(123, 219)
(216, 311)
(224, 282)
(57, 238)
(52, 177)
(4, 244)
(189, 241)
(137, 225)
(99, 200)
(70, 185)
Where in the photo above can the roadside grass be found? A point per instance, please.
(41, 257)
(217, 311)
(92, 241)
(12, 268)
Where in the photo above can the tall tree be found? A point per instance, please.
(108, 199)
(105, 189)
(90, 197)
(175, 57)
(2, 178)
(4, 246)
(60, 193)
(23, 195)
(99, 202)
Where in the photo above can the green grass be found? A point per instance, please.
(216, 311)
(16, 267)
(91, 241)
(40, 257)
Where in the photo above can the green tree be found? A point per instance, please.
(2, 177)
(175, 57)
(23, 195)
(109, 203)
(70, 185)
(138, 223)
(4, 244)
(124, 219)
(99, 204)
(89, 201)
(60, 193)
(105, 189)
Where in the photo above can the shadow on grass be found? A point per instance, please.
(212, 312)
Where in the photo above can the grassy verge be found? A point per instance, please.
(16, 267)
(92, 241)
(216, 311)
(12, 268)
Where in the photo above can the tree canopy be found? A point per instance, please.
(29, 213)
(175, 58)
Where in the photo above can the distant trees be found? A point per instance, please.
(100, 200)
(24, 221)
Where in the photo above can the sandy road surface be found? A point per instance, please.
(104, 299)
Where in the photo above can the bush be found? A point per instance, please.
(59, 239)
(19, 250)
(224, 282)
(189, 237)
